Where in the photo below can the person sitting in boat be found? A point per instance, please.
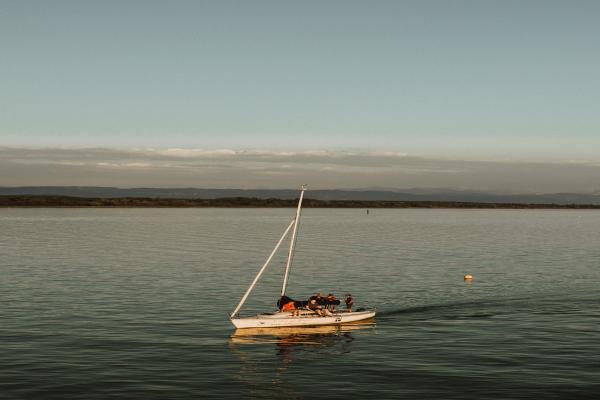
(282, 301)
(287, 304)
(349, 302)
(314, 306)
(330, 302)
(318, 298)
(291, 306)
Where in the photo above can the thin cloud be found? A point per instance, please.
(253, 168)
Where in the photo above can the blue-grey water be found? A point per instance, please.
(134, 303)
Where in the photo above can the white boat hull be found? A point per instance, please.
(285, 319)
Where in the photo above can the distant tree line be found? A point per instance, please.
(249, 202)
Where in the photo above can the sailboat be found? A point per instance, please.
(287, 318)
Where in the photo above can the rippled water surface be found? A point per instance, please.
(124, 303)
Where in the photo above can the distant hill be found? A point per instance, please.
(435, 195)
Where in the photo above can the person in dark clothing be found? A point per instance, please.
(331, 302)
(315, 303)
(318, 298)
(349, 302)
(314, 306)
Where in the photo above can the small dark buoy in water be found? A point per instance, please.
(468, 277)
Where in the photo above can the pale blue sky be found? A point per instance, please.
(452, 78)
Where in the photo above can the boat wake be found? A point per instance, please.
(489, 308)
(467, 309)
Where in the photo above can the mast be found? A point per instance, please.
(292, 242)
(241, 303)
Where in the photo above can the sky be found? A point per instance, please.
(499, 82)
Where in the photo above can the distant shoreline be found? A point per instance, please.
(40, 201)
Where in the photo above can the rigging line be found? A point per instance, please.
(243, 300)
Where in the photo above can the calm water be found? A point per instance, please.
(123, 303)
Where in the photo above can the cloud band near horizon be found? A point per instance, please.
(271, 169)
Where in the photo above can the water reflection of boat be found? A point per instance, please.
(314, 335)
(265, 354)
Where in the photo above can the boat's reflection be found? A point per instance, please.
(296, 335)
(293, 346)
(287, 340)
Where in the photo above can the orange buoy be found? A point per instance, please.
(468, 277)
